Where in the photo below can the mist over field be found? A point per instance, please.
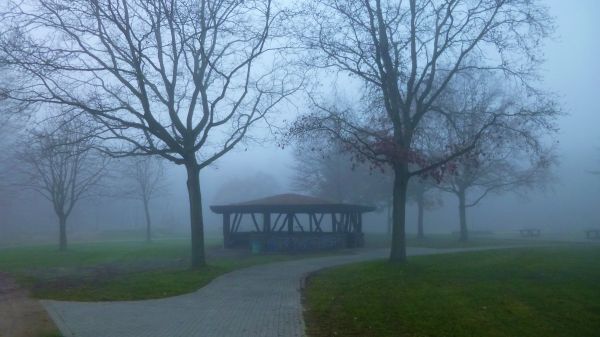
(260, 167)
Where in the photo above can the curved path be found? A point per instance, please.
(257, 301)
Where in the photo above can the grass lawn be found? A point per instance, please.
(117, 270)
(380, 240)
(518, 292)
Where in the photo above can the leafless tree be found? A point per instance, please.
(420, 192)
(180, 79)
(3, 126)
(405, 54)
(13, 118)
(323, 169)
(59, 162)
(12, 113)
(146, 182)
(516, 155)
(596, 172)
(493, 171)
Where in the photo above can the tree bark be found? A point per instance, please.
(420, 231)
(389, 219)
(196, 221)
(62, 233)
(462, 210)
(148, 221)
(398, 251)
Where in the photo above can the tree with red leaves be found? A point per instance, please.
(405, 55)
(324, 169)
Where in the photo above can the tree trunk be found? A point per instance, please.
(196, 221)
(390, 219)
(462, 210)
(420, 232)
(62, 233)
(148, 221)
(398, 252)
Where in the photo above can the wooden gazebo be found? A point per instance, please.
(292, 222)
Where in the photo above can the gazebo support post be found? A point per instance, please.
(290, 222)
(226, 225)
(333, 223)
(359, 223)
(346, 222)
(266, 222)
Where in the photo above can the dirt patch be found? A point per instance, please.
(20, 315)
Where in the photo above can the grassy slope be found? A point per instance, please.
(129, 270)
(116, 270)
(522, 292)
(88, 254)
(378, 240)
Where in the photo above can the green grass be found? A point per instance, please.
(163, 282)
(51, 334)
(117, 270)
(381, 240)
(518, 292)
(89, 254)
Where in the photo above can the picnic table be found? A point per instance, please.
(593, 233)
(530, 232)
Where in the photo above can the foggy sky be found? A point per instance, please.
(572, 70)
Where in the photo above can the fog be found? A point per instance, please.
(569, 204)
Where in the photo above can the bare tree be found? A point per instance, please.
(146, 176)
(516, 155)
(4, 121)
(596, 172)
(60, 163)
(405, 53)
(12, 113)
(419, 192)
(325, 170)
(180, 79)
(493, 171)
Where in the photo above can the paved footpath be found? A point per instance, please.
(256, 301)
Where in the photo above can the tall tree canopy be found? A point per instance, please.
(180, 79)
(405, 54)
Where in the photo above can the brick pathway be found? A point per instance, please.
(20, 315)
(257, 301)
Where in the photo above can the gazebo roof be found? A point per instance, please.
(290, 203)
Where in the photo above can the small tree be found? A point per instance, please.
(146, 177)
(483, 173)
(60, 163)
(419, 192)
(515, 154)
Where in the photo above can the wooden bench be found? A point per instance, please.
(530, 232)
(593, 234)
